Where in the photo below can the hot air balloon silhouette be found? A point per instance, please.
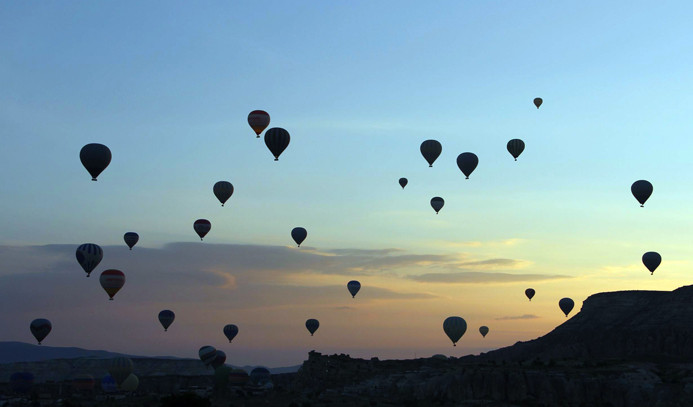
(223, 191)
(641, 191)
(403, 182)
(277, 139)
(112, 281)
(454, 328)
(431, 149)
(467, 162)
(218, 360)
(120, 368)
(651, 260)
(95, 158)
(131, 239)
(483, 330)
(353, 286)
(89, 256)
(566, 305)
(202, 227)
(530, 293)
(230, 331)
(207, 354)
(40, 328)
(258, 121)
(437, 203)
(299, 234)
(538, 102)
(516, 147)
(166, 318)
(312, 325)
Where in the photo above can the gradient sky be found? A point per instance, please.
(359, 85)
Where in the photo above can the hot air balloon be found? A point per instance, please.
(202, 227)
(437, 203)
(112, 281)
(641, 191)
(238, 377)
(166, 318)
(21, 382)
(651, 260)
(95, 158)
(207, 354)
(258, 121)
(483, 330)
(89, 255)
(538, 102)
(277, 139)
(454, 328)
(83, 382)
(431, 149)
(130, 383)
(120, 368)
(40, 328)
(530, 293)
(353, 286)
(403, 182)
(218, 360)
(566, 305)
(131, 239)
(260, 375)
(108, 384)
(299, 235)
(516, 147)
(312, 325)
(230, 331)
(467, 163)
(223, 191)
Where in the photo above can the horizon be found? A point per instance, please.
(168, 88)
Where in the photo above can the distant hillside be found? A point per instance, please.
(11, 352)
(628, 325)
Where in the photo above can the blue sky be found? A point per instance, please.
(358, 85)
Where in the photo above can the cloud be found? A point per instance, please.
(525, 316)
(493, 263)
(475, 277)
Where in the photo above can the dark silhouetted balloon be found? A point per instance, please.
(40, 328)
(95, 158)
(437, 203)
(89, 256)
(166, 318)
(516, 147)
(538, 102)
(651, 260)
(403, 182)
(530, 293)
(218, 360)
(112, 281)
(431, 149)
(207, 354)
(566, 305)
(83, 382)
(353, 286)
(131, 239)
(277, 139)
(130, 383)
(467, 162)
(223, 191)
(260, 375)
(258, 121)
(312, 325)
(454, 328)
(120, 368)
(230, 331)
(641, 190)
(483, 330)
(299, 234)
(202, 227)
(108, 384)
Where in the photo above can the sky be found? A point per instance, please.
(168, 85)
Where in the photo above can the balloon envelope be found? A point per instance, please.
(467, 162)
(566, 305)
(207, 354)
(431, 149)
(403, 182)
(258, 121)
(130, 383)
(202, 227)
(218, 360)
(437, 203)
(483, 330)
(230, 331)
(516, 147)
(223, 191)
(353, 286)
(538, 102)
(651, 260)
(530, 293)
(312, 325)
(166, 318)
(40, 328)
(454, 328)
(112, 281)
(89, 256)
(108, 384)
(131, 239)
(120, 368)
(277, 139)
(260, 375)
(83, 382)
(641, 190)
(95, 158)
(299, 235)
